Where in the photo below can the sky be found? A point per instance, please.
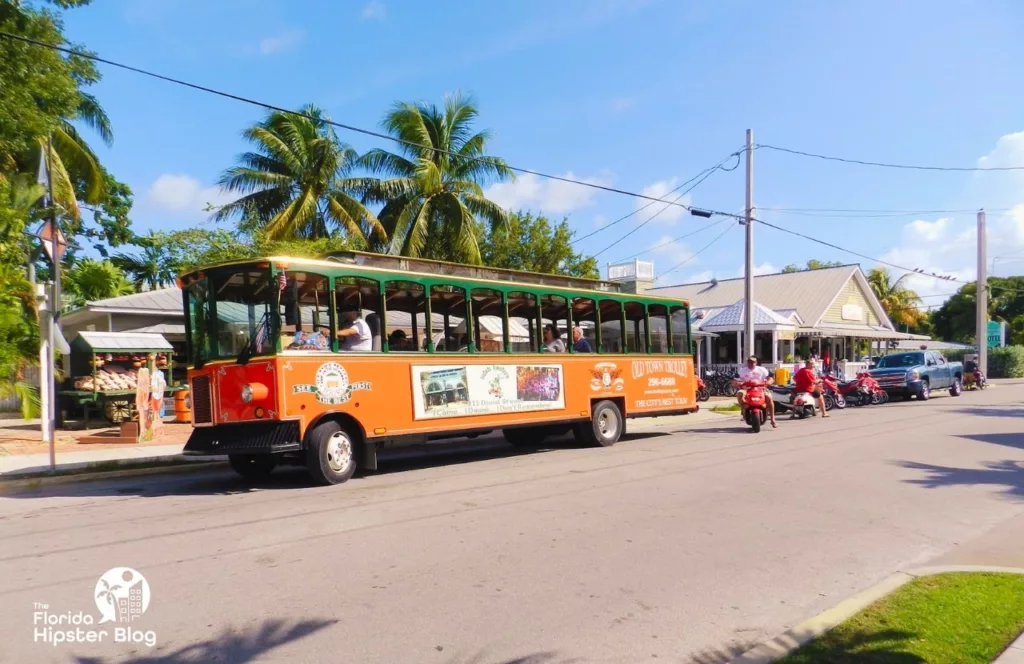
(640, 95)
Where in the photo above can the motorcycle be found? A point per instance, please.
(703, 393)
(856, 392)
(755, 411)
(878, 395)
(798, 404)
(831, 394)
(974, 377)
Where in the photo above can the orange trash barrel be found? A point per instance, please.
(182, 406)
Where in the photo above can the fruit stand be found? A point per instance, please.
(103, 370)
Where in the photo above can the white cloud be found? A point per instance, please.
(285, 41)
(665, 213)
(375, 11)
(178, 192)
(600, 220)
(550, 196)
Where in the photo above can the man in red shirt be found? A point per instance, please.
(806, 380)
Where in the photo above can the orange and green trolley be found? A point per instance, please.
(453, 350)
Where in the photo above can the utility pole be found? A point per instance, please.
(51, 412)
(748, 282)
(981, 312)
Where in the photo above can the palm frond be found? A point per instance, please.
(387, 163)
(79, 159)
(91, 113)
(298, 214)
(350, 214)
(418, 230)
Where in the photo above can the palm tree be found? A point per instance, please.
(433, 196)
(74, 168)
(295, 183)
(89, 280)
(152, 268)
(900, 303)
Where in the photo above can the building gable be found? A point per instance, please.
(852, 306)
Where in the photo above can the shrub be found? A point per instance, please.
(956, 354)
(1006, 362)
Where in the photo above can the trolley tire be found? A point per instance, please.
(252, 466)
(524, 436)
(331, 453)
(605, 427)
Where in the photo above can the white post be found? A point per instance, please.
(44, 362)
(775, 347)
(748, 283)
(739, 348)
(981, 311)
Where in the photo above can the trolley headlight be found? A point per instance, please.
(254, 392)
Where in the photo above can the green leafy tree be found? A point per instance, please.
(151, 267)
(955, 319)
(433, 198)
(812, 264)
(295, 184)
(89, 280)
(529, 242)
(899, 302)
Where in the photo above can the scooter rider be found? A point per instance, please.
(806, 380)
(754, 372)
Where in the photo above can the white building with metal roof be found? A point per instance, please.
(829, 310)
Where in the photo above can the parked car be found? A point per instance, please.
(918, 374)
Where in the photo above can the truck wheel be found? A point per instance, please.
(925, 393)
(330, 453)
(956, 388)
(252, 466)
(605, 427)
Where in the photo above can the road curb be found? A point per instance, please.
(785, 643)
(102, 470)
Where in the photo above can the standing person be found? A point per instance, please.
(355, 335)
(755, 372)
(157, 385)
(552, 340)
(579, 342)
(806, 380)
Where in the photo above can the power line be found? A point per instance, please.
(869, 214)
(675, 239)
(699, 252)
(655, 215)
(917, 271)
(912, 167)
(706, 172)
(359, 130)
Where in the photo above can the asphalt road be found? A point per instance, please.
(680, 543)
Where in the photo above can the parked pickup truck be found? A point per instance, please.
(917, 374)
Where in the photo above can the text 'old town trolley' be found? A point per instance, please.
(323, 362)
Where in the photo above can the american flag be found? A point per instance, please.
(261, 335)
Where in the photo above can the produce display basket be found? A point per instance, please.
(103, 366)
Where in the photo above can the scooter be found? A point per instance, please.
(856, 392)
(755, 408)
(798, 404)
(703, 393)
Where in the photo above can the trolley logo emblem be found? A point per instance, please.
(332, 386)
(606, 376)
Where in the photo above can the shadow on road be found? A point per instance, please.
(720, 655)
(220, 481)
(1008, 474)
(992, 411)
(1015, 440)
(230, 646)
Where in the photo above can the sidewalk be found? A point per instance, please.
(22, 453)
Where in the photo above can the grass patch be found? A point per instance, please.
(731, 408)
(957, 618)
